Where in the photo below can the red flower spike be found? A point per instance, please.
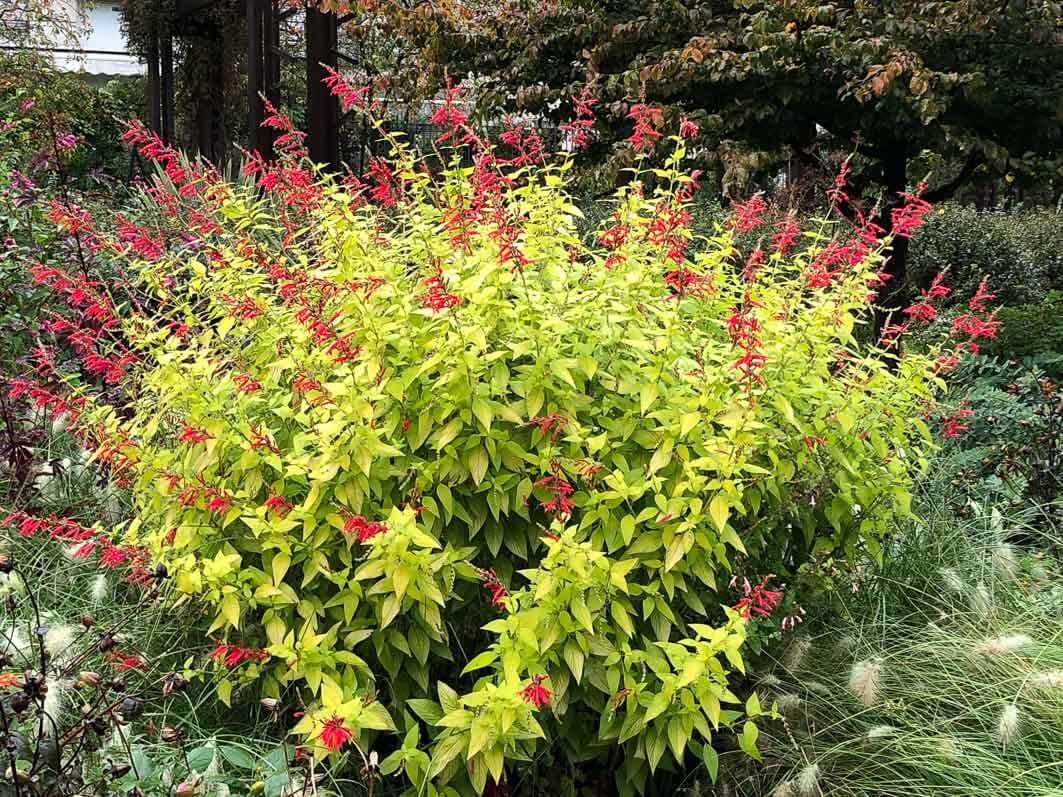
(647, 121)
(758, 599)
(335, 734)
(747, 215)
(535, 693)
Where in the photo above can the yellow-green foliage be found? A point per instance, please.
(439, 427)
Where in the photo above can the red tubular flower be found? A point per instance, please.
(126, 661)
(758, 599)
(278, 505)
(687, 129)
(535, 693)
(436, 297)
(218, 500)
(685, 282)
(836, 194)
(579, 128)
(494, 586)
(348, 95)
(977, 303)
(922, 311)
(647, 121)
(363, 529)
(953, 425)
(747, 215)
(448, 115)
(245, 384)
(905, 219)
(335, 734)
(559, 504)
(235, 655)
(190, 434)
(552, 425)
(785, 234)
(8, 679)
(753, 264)
(260, 439)
(744, 330)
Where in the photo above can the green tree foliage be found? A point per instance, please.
(975, 81)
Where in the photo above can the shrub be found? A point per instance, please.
(1032, 330)
(1020, 250)
(1011, 449)
(358, 406)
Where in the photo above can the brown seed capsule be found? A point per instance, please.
(117, 683)
(131, 707)
(118, 769)
(136, 791)
(173, 682)
(105, 644)
(185, 789)
(7, 564)
(88, 620)
(19, 702)
(170, 734)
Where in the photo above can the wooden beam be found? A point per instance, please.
(166, 93)
(322, 108)
(154, 88)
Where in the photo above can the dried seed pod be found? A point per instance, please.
(88, 620)
(170, 734)
(173, 682)
(7, 564)
(19, 702)
(131, 707)
(118, 769)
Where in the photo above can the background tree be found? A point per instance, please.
(901, 86)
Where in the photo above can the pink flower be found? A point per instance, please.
(687, 129)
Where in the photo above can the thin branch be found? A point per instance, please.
(975, 158)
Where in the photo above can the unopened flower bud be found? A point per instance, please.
(269, 703)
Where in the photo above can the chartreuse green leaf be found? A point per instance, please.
(483, 438)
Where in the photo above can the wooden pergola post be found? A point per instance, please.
(322, 107)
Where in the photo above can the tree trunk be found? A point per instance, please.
(893, 297)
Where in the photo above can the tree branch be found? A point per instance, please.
(975, 158)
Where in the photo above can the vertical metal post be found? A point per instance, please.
(322, 108)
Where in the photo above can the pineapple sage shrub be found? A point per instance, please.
(437, 463)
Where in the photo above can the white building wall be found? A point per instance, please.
(102, 49)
